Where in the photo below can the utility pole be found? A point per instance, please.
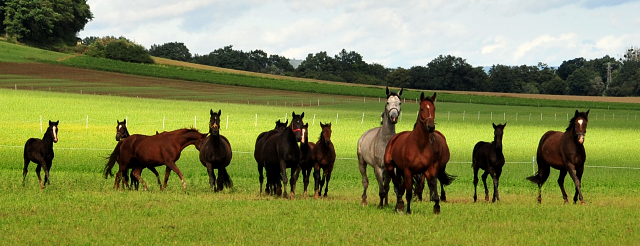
(608, 75)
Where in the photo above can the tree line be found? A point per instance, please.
(56, 22)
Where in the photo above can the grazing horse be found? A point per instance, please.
(488, 157)
(140, 151)
(40, 151)
(423, 150)
(306, 159)
(565, 152)
(215, 153)
(257, 151)
(372, 144)
(281, 151)
(324, 155)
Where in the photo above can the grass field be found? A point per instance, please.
(80, 207)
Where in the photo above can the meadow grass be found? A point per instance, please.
(80, 206)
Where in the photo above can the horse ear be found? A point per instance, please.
(293, 114)
(505, 124)
(211, 111)
(494, 125)
(587, 113)
(118, 122)
(400, 92)
(219, 112)
(422, 96)
(433, 98)
(576, 114)
(388, 91)
(302, 115)
(124, 121)
(50, 122)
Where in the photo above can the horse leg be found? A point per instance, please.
(261, 178)
(419, 183)
(285, 179)
(137, 174)
(328, 177)
(563, 173)
(433, 190)
(496, 181)
(484, 181)
(577, 179)
(408, 179)
(475, 183)
(305, 178)
(365, 180)
(381, 190)
(294, 180)
(167, 172)
(386, 180)
(443, 195)
(212, 177)
(398, 187)
(39, 178)
(495, 184)
(25, 170)
(46, 168)
(316, 179)
(543, 175)
(154, 171)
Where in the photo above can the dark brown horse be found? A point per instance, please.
(488, 157)
(306, 159)
(281, 151)
(324, 154)
(40, 151)
(215, 153)
(140, 151)
(423, 150)
(121, 133)
(257, 151)
(563, 151)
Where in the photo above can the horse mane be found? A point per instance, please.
(572, 122)
(391, 93)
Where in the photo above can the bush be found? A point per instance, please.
(120, 49)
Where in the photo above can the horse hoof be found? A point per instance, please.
(400, 212)
(363, 203)
(436, 210)
(581, 202)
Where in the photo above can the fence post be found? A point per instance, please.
(478, 115)
(256, 124)
(336, 119)
(504, 116)
(516, 116)
(491, 115)
(463, 113)
(40, 123)
(533, 164)
(314, 120)
(362, 122)
(448, 115)
(318, 101)
(87, 127)
(227, 125)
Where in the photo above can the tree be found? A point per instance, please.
(555, 86)
(120, 49)
(46, 21)
(583, 82)
(174, 51)
(2, 26)
(627, 81)
(503, 79)
(281, 62)
(400, 77)
(567, 67)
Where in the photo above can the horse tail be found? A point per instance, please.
(224, 176)
(535, 178)
(445, 178)
(112, 161)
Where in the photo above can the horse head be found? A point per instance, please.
(579, 125)
(498, 131)
(214, 122)
(427, 113)
(121, 130)
(392, 110)
(52, 130)
(305, 133)
(296, 125)
(281, 125)
(326, 133)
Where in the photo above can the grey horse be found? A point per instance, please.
(372, 144)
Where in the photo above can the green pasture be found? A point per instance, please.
(81, 207)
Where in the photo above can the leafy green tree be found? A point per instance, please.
(280, 62)
(2, 26)
(46, 21)
(582, 82)
(627, 81)
(555, 86)
(120, 49)
(173, 50)
(504, 79)
(400, 77)
(567, 67)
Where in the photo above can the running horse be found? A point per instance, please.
(306, 159)
(488, 157)
(563, 151)
(215, 153)
(281, 151)
(324, 155)
(372, 144)
(121, 133)
(140, 151)
(40, 151)
(423, 150)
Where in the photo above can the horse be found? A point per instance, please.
(121, 133)
(40, 151)
(281, 151)
(565, 152)
(306, 159)
(372, 144)
(488, 157)
(215, 153)
(423, 150)
(324, 155)
(257, 153)
(141, 151)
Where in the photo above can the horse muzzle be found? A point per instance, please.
(581, 138)
(393, 114)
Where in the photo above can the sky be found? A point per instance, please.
(391, 33)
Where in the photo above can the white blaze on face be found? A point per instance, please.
(54, 129)
(303, 132)
(580, 122)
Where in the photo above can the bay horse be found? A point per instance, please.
(563, 151)
(488, 157)
(121, 133)
(306, 159)
(372, 144)
(40, 151)
(423, 150)
(324, 155)
(141, 151)
(215, 153)
(281, 151)
(257, 151)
